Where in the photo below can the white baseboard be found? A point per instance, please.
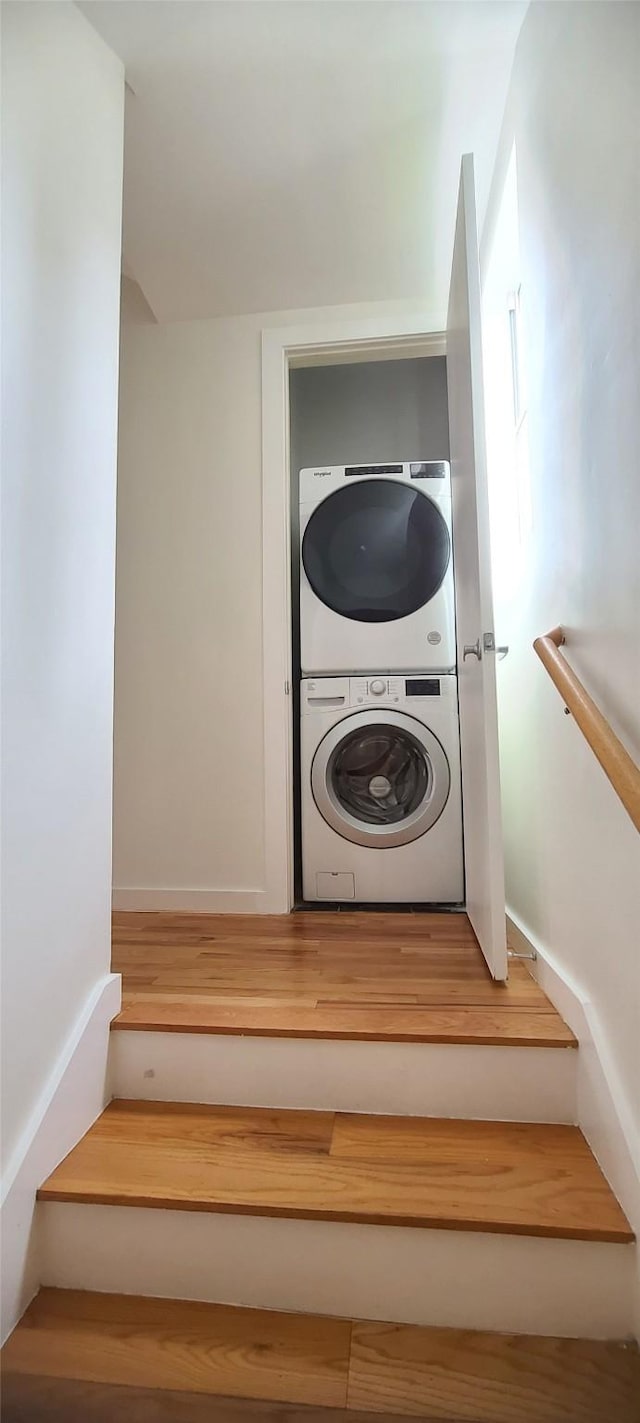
(75, 1094)
(461, 1279)
(602, 1110)
(421, 1079)
(193, 901)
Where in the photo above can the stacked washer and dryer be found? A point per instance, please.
(381, 810)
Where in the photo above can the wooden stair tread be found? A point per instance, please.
(183, 1345)
(368, 977)
(372, 1023)
(462, 1375)
(37, 1398)
(520, 1178)
(313, 1361)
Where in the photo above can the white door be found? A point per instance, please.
(484, 864)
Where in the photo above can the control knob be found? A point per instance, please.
(377, 687)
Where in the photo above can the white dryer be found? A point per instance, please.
(376, 568)
(381, 797)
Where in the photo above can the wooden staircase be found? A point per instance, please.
(323, 1123)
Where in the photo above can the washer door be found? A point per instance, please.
(380, 778)
(376, 551)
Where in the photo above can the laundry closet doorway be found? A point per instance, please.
(375, 545)
(285, 351)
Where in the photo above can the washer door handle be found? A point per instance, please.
(472, 649)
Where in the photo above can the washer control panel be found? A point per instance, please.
(327, 693)
(366, 691)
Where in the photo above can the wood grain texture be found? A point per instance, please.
(617, 764)
(28, 1398)
(75, 1358)
(518, 1178)
(464, 1377)
(200, 1348)
(372, 977)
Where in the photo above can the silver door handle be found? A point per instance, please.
(472, 649)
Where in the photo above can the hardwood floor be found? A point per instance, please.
(458, 1375)
(184, 1345)
(368, 976)
(85, 1358)
(30, 1398)
(519, 1178)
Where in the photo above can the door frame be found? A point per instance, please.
(321, 343)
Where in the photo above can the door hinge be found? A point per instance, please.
(287, 689)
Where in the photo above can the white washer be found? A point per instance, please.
(381, 799)
(376, 568)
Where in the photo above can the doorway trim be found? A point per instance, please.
(283, 348)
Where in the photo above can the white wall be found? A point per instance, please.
(61, 210)
(368, 412)
(189, 764)
(572, 854)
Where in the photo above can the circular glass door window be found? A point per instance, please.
(376, 551)
(379, 775)
(380, 782)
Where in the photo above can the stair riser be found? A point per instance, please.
(467, 1280)
(417, 1079)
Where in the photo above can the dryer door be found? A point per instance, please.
(376, 551)
(380, 778)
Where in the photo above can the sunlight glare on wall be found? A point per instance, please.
(506, 397)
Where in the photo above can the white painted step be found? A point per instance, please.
(463, 1279)
(413, 1079)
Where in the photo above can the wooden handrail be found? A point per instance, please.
(614, 758)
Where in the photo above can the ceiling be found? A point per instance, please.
(296, 153)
